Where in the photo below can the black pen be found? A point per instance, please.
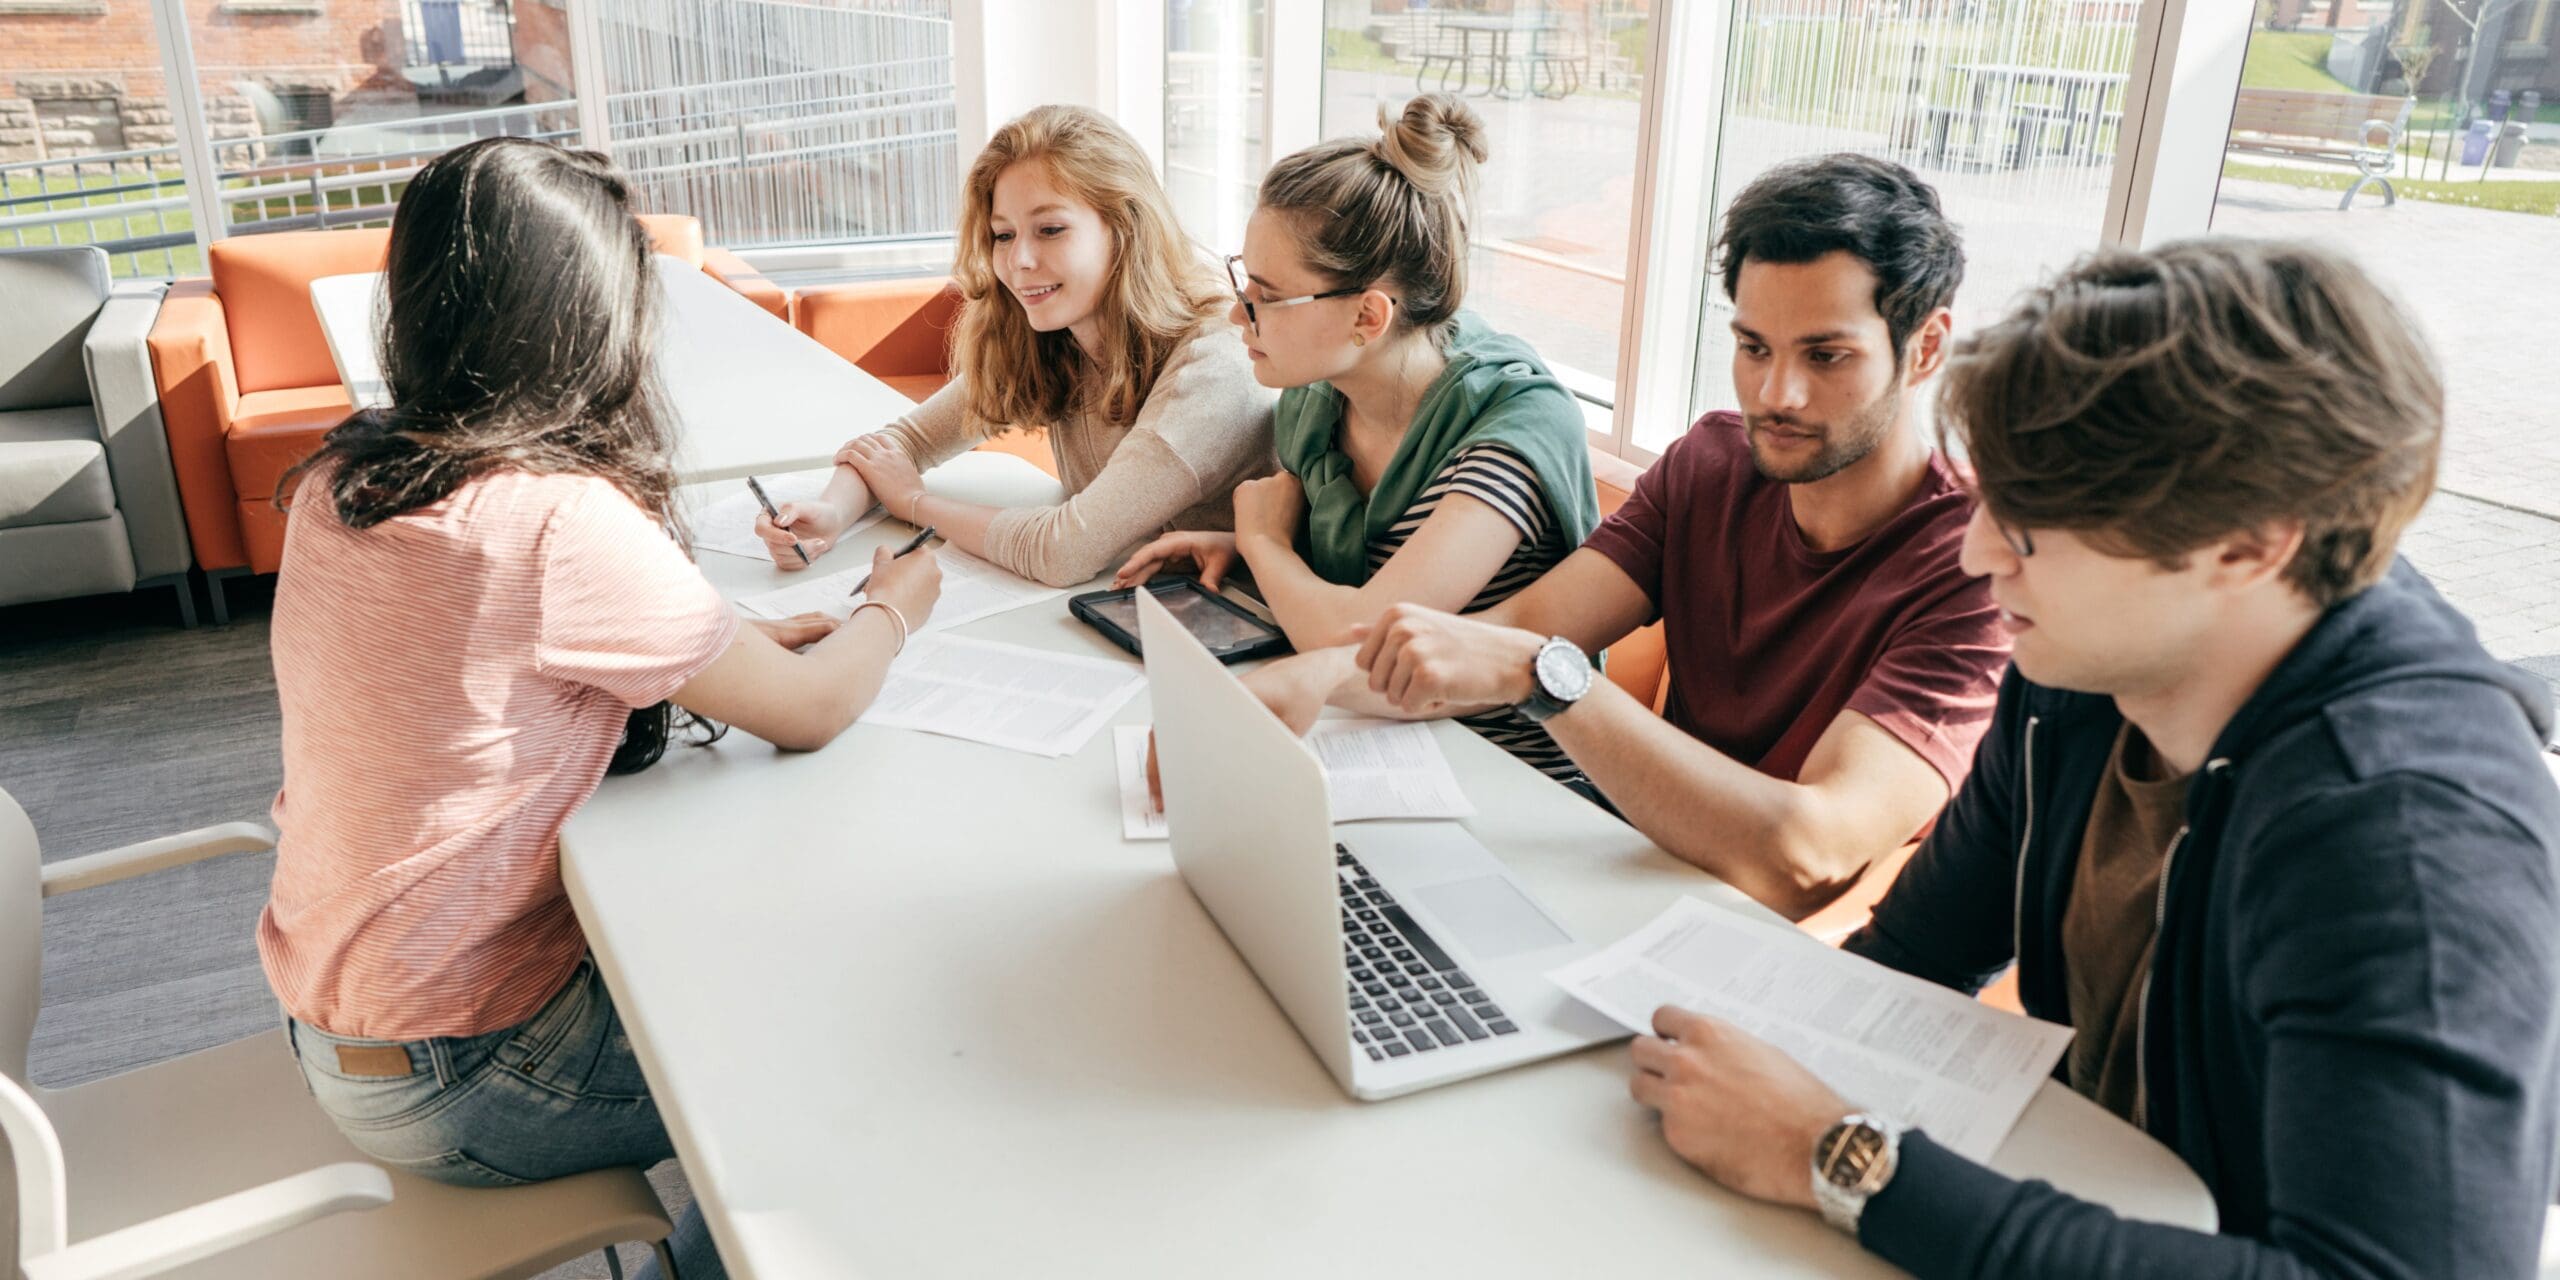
(767, 503)
(912, 544)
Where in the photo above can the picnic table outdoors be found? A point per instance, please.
(2004, 130)
(1497, 29)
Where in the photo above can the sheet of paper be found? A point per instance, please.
(1006, 695)
(1140, 819)
(1372, 769)
(971, 589)
(729, 525)
(1386, 769)
(1885, 1040)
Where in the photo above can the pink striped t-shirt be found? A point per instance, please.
(454, 681)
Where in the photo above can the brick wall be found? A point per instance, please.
(78, 83)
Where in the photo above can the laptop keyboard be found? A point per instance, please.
(1407, 995)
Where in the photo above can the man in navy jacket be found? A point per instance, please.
(2257, 815)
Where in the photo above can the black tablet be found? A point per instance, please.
(1224, 626)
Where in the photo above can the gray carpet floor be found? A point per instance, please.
(116, 725)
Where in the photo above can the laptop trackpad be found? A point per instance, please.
(1492, 919)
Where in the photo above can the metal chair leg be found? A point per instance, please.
(666, 1260)
(612, 1263)
(213, 585)
(186, 595)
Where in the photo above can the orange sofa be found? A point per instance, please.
(247, 387)
(899, 331)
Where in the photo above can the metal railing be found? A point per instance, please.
(815, 145)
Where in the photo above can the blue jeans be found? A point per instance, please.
(557, 1094)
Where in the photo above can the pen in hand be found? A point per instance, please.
(912, 544)
(776, 517)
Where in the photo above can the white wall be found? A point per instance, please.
(1009, 56)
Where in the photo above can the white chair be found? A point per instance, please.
(220, 1163)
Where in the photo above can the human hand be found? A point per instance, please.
(814, 525)
(1270, 507)
(1295, 688)
(1426, 662)
(887, 471)
(909, 583)
(1734, 1105)
(1212, 554)
(798, 631)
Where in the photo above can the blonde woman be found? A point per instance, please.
(1088, 315)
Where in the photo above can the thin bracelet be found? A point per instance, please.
(894, 616)
(915, 510)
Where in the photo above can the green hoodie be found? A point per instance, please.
(1495, 390)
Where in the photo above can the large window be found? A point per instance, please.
(2455, 105)
(1215, 147)
(785, 122)
(777, 122)
(2010, 108)
(88, 150)
(1559, 86)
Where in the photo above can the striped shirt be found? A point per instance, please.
(453, 682)
(1499, 477)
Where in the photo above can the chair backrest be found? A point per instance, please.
(21, 937)
(54, 294)
(43, 1209)
(264, 282)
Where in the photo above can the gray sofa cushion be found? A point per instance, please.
(53, 294)
(52, 468)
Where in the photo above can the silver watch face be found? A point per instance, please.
(1563, 672)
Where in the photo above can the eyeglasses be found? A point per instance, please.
(1236, 280)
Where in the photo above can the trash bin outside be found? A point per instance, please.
(2475, 144)
(2510, 141)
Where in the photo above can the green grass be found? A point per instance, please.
(2540, 198)
(106, 224)
(2290, 60)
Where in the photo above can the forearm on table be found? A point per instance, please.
(1336, 673)
(847, 494)
(1134, 497)
(962, 524)
(1315, 614)
(1768, 837)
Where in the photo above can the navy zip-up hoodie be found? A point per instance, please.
(2349, 1031)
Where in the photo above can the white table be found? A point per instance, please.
(911, 1007)
(750, 393)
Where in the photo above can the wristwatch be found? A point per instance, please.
(1852, 1161)
(1558, 677)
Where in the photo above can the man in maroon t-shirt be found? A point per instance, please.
(1831, 666)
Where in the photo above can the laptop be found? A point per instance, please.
(1405, 953)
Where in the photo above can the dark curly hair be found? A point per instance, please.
(1876, 210)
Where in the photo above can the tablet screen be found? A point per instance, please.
(1215, 627)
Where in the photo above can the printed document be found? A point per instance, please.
(1887, 1041)
(1006, 695)
(729, 525)
(971, 589)
(1372, 769)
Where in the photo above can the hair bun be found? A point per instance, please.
(1436, 144)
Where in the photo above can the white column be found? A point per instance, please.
(1668, 236)
(186, 116)
(2177, 118)
(1292, 75)
(1008, 56)
(586, 66)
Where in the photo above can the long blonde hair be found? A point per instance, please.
(1155, 299)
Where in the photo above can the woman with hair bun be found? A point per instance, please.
(1427, 458)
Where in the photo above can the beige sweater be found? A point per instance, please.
(1205, 428)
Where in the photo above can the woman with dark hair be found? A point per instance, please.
(480, 585)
